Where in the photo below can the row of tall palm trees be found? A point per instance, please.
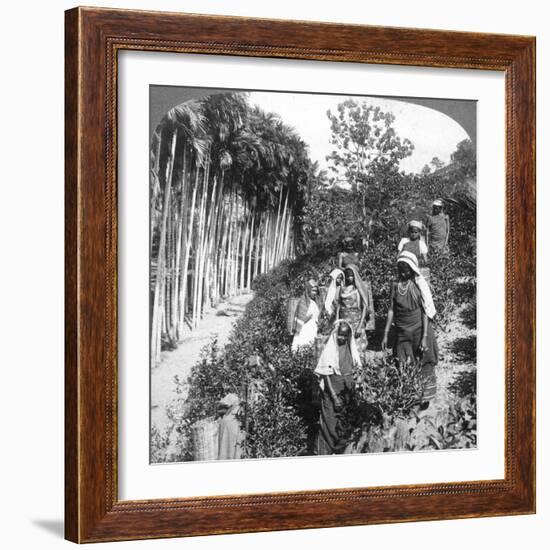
(228, 182)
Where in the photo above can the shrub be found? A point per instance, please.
(275, 394)
(454, 427)
(386, 392)
(393, 387)
(278, 412)
(159, 444)
(464, 383)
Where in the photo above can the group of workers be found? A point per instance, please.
(348, 303)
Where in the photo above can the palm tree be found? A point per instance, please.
(227, 181)
(158, 307)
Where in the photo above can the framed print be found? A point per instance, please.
(300, 275)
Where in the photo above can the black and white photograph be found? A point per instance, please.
(275, 275)
(313, 267)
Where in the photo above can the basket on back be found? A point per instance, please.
(204, 435)
(291, 307)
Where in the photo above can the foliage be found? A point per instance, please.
(391, 204)
(280, 414)
(278, 411)
(464, 383)
(327, 205)
(391, 386)
(453, 428)
(437, 163)
(464, 159)
(391, 420)
(228, 182)
(277, 406)
(276, 393)
(365, 141)
(159, 444)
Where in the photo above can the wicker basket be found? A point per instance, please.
(291, 307)
(204, 435)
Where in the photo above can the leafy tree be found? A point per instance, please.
(329, 216)
(437, 163)
(228, 183)
(426, 169)
(366, 142)
(464, 159)
(269, 193)
(366, 156)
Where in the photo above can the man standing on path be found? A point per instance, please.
(438, 227)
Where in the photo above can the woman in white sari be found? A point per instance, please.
(333, 294)
(306, 317)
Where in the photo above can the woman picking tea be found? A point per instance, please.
(411, 311)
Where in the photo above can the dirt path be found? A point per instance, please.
(218, 321)
(457, 353)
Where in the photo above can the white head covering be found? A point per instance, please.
(329, 359)
(427, 299)
(410, 259)
(331, 292)
(231, 400)
(437, 202)
(416, 223)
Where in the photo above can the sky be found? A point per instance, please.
(432, 133)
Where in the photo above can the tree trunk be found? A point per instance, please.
(242, 280)
(160, 279)
(198, 247)
(189, 241)
(250, 248)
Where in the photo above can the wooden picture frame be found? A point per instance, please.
(93, 511)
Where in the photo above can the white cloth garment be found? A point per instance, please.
(332, 289)
(427, 298)
(328, 362)
(306, 335)
(422, 245)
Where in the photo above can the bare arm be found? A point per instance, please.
(362, 320)
(389, 320)
(424, 342)
(427, 225)
(447, 219)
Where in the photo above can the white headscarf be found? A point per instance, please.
(331, 293)
(427, 299)
(329, 362)
(231, 401)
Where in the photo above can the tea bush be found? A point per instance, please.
(278, 412)
(276, 393)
